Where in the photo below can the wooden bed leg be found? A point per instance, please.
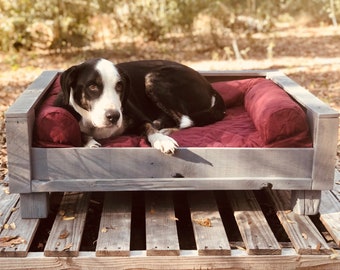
(306, 202)
(34, 205)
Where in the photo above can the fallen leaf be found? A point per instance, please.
(104, 230)
(304, 236)
(68, 246)
(334, 255)
(318, 246)
(11, 241)
(64, 234)
(68, 217)
(14, 209)
(206, 222)
(11, 226)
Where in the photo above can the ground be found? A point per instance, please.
(309, 55)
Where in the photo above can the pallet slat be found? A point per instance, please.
(160, 221)
(67, 230)
(330, 214)
(210, 235)
(21, 230)
(115, 225)
(7, 205)
(254, 228)
(301, 231)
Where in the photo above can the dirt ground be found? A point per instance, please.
(309, 55)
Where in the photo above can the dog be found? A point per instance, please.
(148, 97)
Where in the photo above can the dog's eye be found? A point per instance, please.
(93, 88)
(119, 87)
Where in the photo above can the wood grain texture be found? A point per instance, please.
(239, 260)
(210, 235)
(160, 222)
(29, 99)
(8, 204)
(34, 205)
(330, 214)
(23, 230)
(67, 230)
(325, 140)
(254, 228)
(305, 202)
(301, 231)
(115, 225)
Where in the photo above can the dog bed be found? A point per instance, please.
(259, 114)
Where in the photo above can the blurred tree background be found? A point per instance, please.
(61, 24)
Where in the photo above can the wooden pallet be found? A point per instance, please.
(171, 230)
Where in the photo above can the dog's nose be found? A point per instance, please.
(112, 116)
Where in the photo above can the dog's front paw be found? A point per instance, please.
(92, 143)
(165, 144)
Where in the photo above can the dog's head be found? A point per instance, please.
(97, 90)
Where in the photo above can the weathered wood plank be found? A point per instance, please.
(330, 214)
(87, 260)
(210, 235)
(325, 139)
(32, 95)
(8, 203)
(67, 230)
(301, 231)
(19, 128)
(101, 163)
(22, 231)
(34, 205)
(239, 260)
(160, 221)
(254, 228)
(305, 202)
(232, 183)
(115, 225)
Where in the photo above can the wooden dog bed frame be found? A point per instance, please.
(35, 172)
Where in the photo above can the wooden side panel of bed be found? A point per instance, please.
(33, 172)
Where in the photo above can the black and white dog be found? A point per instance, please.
(151, 97)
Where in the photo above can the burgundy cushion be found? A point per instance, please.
(259, 114)
(275, 115)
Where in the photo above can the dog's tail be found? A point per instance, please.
(215, 113)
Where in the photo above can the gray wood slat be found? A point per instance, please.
(160, 222)
(23, 231)
(210, 240)
(301, 231)
(330, 214)
(67, 230)
(7, 205)
(254, 228)
(115, 225)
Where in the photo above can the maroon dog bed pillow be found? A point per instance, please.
(259, 114)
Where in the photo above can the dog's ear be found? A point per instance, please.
(66, 80)
(126, 84)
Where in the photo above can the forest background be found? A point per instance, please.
(299, 37)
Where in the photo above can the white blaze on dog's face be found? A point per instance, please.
(97, 95)
(107, 108)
